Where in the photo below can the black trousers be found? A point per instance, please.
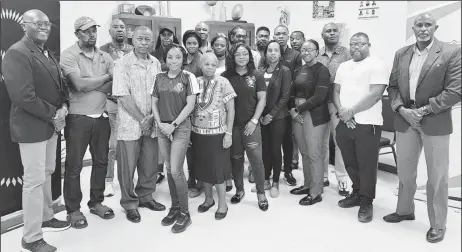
(81, 131)
(360, 152)
(288, 145)
(272, 137)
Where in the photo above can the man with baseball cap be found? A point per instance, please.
(89, 74)
(166, 37)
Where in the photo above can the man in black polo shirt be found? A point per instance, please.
(291, 59)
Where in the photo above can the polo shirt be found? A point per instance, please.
(172, 93)
(159, 54)
(194, 66)
(246, 87)
(133, 78)
(340, 55)
(74, 60)
(355, 79)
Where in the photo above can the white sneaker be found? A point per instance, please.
(274, 192)
(109, 190)
(267, 186)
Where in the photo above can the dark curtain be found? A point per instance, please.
(11, 169)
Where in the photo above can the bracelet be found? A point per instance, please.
(228, 133)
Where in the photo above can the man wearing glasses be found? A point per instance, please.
(359, 86)
(89, 73)
(38, 111)
(332, 55)
(239, 34)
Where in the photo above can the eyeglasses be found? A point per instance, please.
(45, 24)
(238, 36)
(359, 45)
(307, 50)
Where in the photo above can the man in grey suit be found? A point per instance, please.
(424, 85)
(38, 110)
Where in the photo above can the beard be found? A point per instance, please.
(119, 39)
(261, 46)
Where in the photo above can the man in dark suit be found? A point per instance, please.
(424, 85)
(38, 111)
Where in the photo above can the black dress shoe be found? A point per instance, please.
(326, 183)
(300, 191)
(153, 205)
(204, 208)
(395, 218)
(308, 200)
(133, 215)
(435, 235)
(263, 204)
(237, 197)
(220, 216)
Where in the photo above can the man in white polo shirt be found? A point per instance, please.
(359, 86)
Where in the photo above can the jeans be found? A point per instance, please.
(252, 146)
(360, 152)
(174, 153)
(81, 131)
(272, 136)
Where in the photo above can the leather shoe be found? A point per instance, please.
(220, 216)
(204, 208)
(435, 235)
(395, 218)
(308, 200)
(263, 205)
(300, 191)
(237, 197)
(133, 215)
(153, 205)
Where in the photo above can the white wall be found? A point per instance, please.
(386, 33)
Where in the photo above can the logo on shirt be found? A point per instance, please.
(178, 88)
(250, 81)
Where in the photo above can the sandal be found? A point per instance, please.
(77, 220)
(102, 211)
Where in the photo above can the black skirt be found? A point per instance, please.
(212, 162)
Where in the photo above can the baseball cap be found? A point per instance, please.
(83, 23)
(165, 29)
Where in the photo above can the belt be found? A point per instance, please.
(166, 121)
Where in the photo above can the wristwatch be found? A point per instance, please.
(254, 121)
(175, 124)
(425, 110)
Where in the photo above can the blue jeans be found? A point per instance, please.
(174, 153)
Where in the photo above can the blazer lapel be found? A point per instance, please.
(273, 77)
(406, 62)
(42, 58)
(433, 54)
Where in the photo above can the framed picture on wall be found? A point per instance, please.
(323, 9)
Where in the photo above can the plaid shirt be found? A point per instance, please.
(133, 78)
(340, 55)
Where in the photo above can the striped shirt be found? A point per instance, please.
(133, 78)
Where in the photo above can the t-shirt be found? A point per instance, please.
(355, 79)
(114, 52)
(246, 88)
(74, 60)
(172, 93)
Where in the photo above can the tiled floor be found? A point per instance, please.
(286, 226)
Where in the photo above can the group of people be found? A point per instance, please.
(150, 106)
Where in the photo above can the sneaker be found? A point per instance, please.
(183, 222)
(342, 188)
(289, 179)
(274, 192)
(37, 246)
(196, 191)
(350, 201)
(366, 210)
(160, 178)
(267, 186)
(171, 217)
(55, 225)
(109, 189)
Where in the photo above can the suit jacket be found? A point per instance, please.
(438, 85)
(36, 90)
(278, 92)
